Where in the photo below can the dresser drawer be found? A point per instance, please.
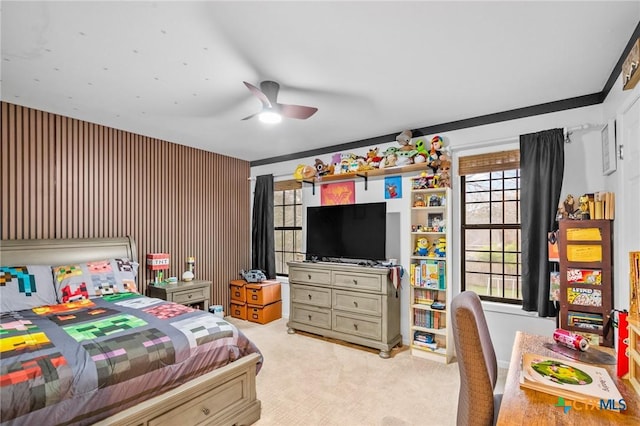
(359, 303)
(367, 327)
(311, 276)
(189, 296)
(208, 406)
(311, 315)
(354, 281)
(316, 296)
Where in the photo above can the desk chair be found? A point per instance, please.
(477, 405)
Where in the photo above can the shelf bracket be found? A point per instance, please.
(313, 185)
(366, 180)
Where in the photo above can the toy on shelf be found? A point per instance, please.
(418, 201)
(422, 247)
(323, 169)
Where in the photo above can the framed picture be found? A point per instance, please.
(392, 187)
(609, 148)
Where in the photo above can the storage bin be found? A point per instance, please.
(263, 293)
(238, 290)
(266, 313)
(239, 310)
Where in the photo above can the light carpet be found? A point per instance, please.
(309, 380)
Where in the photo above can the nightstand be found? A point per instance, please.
(194, 293)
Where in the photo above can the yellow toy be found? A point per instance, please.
(422, 246)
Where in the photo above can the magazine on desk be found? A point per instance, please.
(569, 379)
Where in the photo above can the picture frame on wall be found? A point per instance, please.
(608, 134)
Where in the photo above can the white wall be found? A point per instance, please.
(583, 174)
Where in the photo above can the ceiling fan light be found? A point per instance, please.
(270, 117)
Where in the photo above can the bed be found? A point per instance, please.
(79, 345)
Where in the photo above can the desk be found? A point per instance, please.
(529, 407)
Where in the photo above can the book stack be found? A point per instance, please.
(585, 320)
(602, 205)
(573, 380)
(425, 296)
(428, 274)
(429, 319)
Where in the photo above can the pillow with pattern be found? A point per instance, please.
(26, 287)
(95, 279)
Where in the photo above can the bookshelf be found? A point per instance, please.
(586, 278)
(429, 276)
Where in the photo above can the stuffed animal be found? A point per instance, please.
(441, 247)
(422, 247)
(421, 148)
(322, 168)
(404, 139)
(373, 159)
(445, 167)
(304, 172)
(569, 205)
(405, 157)
(390, 157)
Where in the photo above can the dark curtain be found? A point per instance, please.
(262, 235)
(541, 171)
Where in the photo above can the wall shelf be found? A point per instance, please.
(364, 174)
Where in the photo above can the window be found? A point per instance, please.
(287, 217)
(491, 238)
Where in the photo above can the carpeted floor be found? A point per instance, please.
(307, 380)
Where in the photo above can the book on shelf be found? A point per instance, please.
(604, 206)
(572, 380)
(585, 320)
(428, 273)
(584, 276)
(584, 296)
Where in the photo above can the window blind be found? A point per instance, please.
(486, 163)
(285, 185)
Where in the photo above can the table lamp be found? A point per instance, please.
(156, 264)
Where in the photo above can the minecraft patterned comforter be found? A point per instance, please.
(79, 362)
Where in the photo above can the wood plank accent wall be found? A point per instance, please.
(66, 178)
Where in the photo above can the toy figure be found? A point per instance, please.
(418, 201)
(422, 246)
(322, 168)
(584, 207)
(404, 139)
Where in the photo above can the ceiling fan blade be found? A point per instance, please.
(250, 116)
(297, 111)
(259, 94)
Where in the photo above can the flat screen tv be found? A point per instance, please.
(347, 232)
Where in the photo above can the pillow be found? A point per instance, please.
(26, 287)
(95, 279)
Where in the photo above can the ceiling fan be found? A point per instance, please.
(272, 111)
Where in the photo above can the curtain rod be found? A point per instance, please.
(568, 131)
(275, 176)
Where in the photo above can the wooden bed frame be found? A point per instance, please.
(225, 396)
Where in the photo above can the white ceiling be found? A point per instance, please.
(174, 70)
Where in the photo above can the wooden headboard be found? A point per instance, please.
(65, 251)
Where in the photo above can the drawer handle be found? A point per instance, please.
(206, 411)
(355, 326)
(309, 276)
(355, 304)
(309, 317)
(355, 282)
(190, 296)
(309, 296)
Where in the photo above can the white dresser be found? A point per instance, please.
(357, 304)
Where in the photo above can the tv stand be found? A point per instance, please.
(357, 304)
